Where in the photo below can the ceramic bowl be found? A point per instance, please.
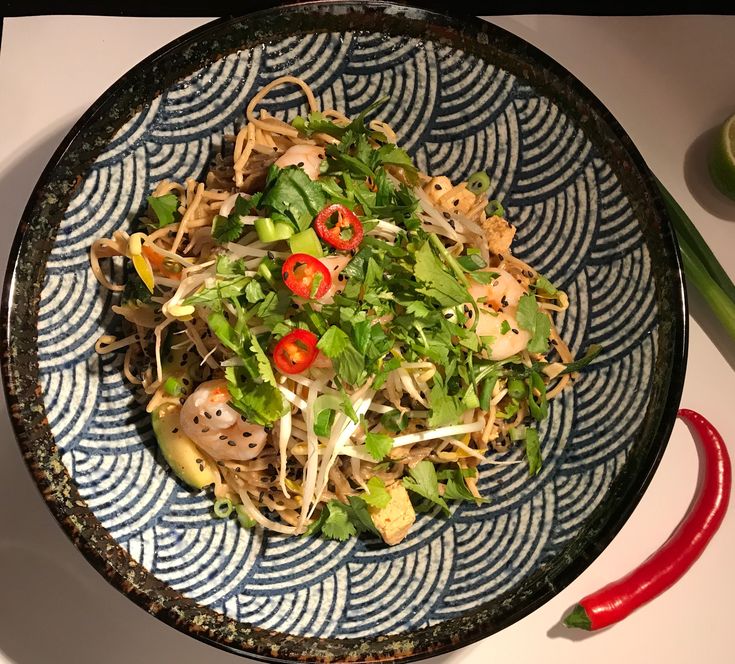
(464, 95)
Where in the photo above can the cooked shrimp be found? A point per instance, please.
(308, 157)
(216, 427)
(498, 303)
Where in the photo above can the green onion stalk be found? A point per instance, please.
(700, 265)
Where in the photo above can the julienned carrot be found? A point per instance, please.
(661, 570)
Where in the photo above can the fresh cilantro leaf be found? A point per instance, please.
(418, 309)
(545, 286)
(533, 320)
(323, 423)
(377, 495)
(348, 362)
(333, 342)
(295, 195)
(337, 524)
(533, 451)
(264, 365)
(359, 514)
(224, 289)
(254, 292)
(260, 403)
(456, 487)
(471, 262)
(315, 123)
(504, 327)
(226, 229)
(445, 409)
(422, 481)
(227, 266)
(378, 445)
(166, 208)
(440, 285)
(394, 421)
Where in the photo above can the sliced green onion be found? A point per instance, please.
(688, 234)
(517, 433)
(478, 182)
(245, 520)
(223, 508)
(173, 386)
(306, 242)
(516, 388)
(533, 452)
(471, 262)
(494, 209)
(701, 266)
(270, 231)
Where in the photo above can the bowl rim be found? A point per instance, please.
(81, 526)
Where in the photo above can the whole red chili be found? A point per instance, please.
(296, 351)
(345, 234)
(306, 276)
(667, 565)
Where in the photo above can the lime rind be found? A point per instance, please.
(722, 159)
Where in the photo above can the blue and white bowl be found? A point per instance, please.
(463, 96)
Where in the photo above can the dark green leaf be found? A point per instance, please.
(165, 208)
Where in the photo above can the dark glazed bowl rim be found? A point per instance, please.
(20, 361)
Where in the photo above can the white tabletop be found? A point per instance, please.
(668, 80)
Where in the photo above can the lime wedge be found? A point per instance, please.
(722, 158)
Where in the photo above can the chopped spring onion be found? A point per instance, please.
(478, 182)
(173, 386)
(223, 508)
(701, 266)
(270, 231)
(494, 209)
(306, 242)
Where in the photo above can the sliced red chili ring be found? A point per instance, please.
(296, 351)
(345, 233)
(306, 276)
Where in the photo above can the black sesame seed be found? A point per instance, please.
(175, 430)
(198, 460)
(455, 202)
(223, 437)
(205, 429)
(513, 330)
(437, 187)
(341, 277)
(270, 255)
(237, 469)
(275, 149)
(246, 434)
(448, 315)
(300, 164)
(242, 417)
(250, 445)
(500, 257)
(504, 301)
(231, 443)
(182, 401)
(207, 415)
(196, 419)
(218, 413)
(185, 381)
(446, 215)
(201, 467)
(553, 341)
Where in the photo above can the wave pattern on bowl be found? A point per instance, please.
(456, 114)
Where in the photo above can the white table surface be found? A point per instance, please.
(668, 81)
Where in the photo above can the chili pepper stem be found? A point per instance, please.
(578, 618)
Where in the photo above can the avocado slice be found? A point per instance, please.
(180, 452)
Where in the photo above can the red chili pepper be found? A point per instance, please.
(346, 222)
(306, 276)
(667, 565)
(296, 351)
